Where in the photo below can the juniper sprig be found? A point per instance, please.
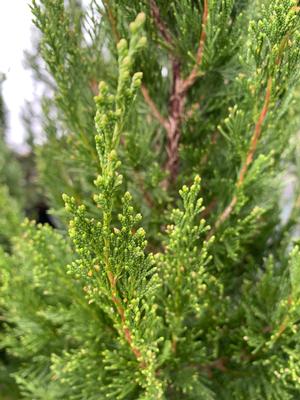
(145, 290)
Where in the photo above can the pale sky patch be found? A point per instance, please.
(15, 37)
(16, 34)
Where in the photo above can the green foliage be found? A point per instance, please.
(10, 170)
(150, 294)
(10, 217)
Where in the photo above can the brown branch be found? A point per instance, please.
(154, 9)
(284, 324)
(256, 134)
(249, 158)
(153, 108)
(176, 106)
(120, 309)
(190, 80)
(179, 91)
(254, 141)
(116, 301)
(191, 112)
(112, 21)
(176, 102)
(219, 364)
(180, 87)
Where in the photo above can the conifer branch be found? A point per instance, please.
(180, 87)
(153, 108)
(249, 158)
(284, 324)
(256, 134)
(254, 139)
(113, 290)
(111, 111)
(162, 28)
(190, 80)
(121, 311)
(112, 20)
(148, 198)
(95, 314)
(145, 92)
(176, 106)
(208, 209)
(108, 158)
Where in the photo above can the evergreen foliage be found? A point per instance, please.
(149, 294)
(11, 197)
(10, 170)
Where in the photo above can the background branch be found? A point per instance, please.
(179, 91)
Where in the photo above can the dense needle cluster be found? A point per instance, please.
(156, 283)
